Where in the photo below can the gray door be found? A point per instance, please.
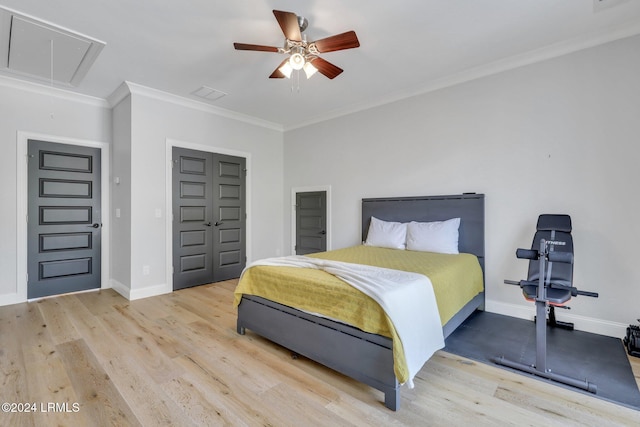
(208, 217)
(229, 250)
(311, 222)
(192, 214)
(64, 219)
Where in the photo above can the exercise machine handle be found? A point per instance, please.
(588, 294)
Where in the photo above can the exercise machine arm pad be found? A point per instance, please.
(527, 254)
(565, 257)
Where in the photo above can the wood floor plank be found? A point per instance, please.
(50, 389)
(156, 363)
(157, 308)
(535, 396)
(101, 301)
(235, 402)
(58, 324)
(176, 359)
(147, 400)
(472, 405)
(231, 364)
(635, 367)
(153, 329)
(13, 384)
(100, 401)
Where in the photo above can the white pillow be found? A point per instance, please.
(386, 234)
(437, 236)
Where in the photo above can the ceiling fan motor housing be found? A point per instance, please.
(302, 23)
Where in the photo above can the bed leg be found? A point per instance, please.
(392, 399)
(240, 329)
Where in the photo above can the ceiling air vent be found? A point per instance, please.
(33, 48)
(208, 93)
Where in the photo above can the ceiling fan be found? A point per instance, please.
(303, 55)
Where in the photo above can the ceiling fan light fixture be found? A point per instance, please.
(286, 69)
(309, 69)
(297, 61)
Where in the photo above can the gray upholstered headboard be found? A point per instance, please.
(468, 207)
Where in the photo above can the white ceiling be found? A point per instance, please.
(406, 47)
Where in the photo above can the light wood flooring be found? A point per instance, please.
(176, 360)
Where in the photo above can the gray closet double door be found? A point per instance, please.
(209, 217)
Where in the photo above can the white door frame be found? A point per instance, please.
(22, 205)
(170, 143)
(294, 192)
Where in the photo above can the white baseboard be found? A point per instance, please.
(133, 294)
(9, 299)
(581, 323)
(120, 288)
(149, 291)
(130, 294)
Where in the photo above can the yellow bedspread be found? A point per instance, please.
(456, 280)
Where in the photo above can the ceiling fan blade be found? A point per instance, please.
(326, 68)
(260, 48)
(347, 40)
(289, 23)
(277, 74)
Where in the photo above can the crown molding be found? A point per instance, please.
(119, 94)
(133, 88)
(52, 91)
(556, 50)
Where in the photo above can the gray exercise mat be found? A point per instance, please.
(598, 359)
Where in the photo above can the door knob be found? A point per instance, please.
(323, 232)
(96, 225)
(208, 224)
(218, 223)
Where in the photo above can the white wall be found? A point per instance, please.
(36, 110)
(554, 137)
(121, 198)
(157, 121)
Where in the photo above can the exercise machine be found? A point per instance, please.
(549, 284)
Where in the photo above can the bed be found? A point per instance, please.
(365, 356)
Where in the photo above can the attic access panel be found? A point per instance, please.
(46, 52)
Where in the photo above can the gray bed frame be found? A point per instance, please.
(367, 357)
